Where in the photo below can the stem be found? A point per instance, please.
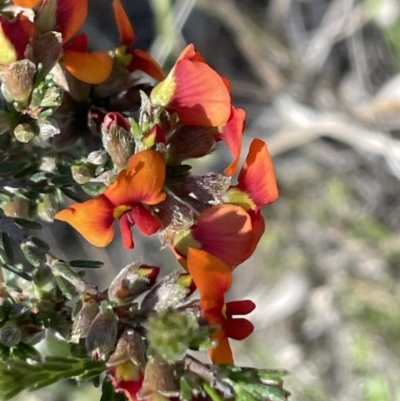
(208, 374)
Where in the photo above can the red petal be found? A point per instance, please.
(78, 43)
(142, 182)
(125, 225)
(238, 329)
(143, 61)
(232, 135)
(211, 277)
(124, 26)
(144, 220)
(93, 219)
(239, 307)
(92, 68)
(15, 36)
(196, 93)
(257, 177)
(225, 231)
(69, 16)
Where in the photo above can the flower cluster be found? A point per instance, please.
(133, 132)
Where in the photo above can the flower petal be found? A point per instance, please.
(212, 278)
(93, 219)
(92, 68)
(257, 177)
(124, 26)
(125, 226)
(143, 181)
(226, 232)
(70, 16)
(144, 220)
(195, 92)
(26, 3)
(143, 61)
(239, 307)
(222, 353)
(232, 135)
(239, 328)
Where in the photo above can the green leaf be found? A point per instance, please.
(88, 264)
(8, 248)
(18, 272)
(7, 167)
(28, 223)
(72, 195)
(17, 376)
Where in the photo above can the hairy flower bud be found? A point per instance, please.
(17, 81)
(117, 139)
(159, 378)
(131, 281)
(83, 320)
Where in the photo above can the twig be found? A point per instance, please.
(208, 374)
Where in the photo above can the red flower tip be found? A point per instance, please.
(124, 26)
(116, 118)
(194, 91)
(257, 177)
(231, 133)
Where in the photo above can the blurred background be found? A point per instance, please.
(320, 82)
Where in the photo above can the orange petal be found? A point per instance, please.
(196, 93)
(143, 181)
(257, 177)
(124, 26)
(92, 68)
(69, 16)
(226, 232)
(26, 3)
(143, 61)
(212, 278)
(222, 353)
(93, 219)
(232, 135)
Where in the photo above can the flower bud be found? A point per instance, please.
(82, 173)
(17, 81)
(131, 281)
(102, 334)
(159, 379)
(84, 320)
(117, 139)
(10, 335)
(17, 207)
(170, 291)
(130, 347)
(24, 132)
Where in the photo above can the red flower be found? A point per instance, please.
(213, 279)
(15, 36)
(135, 59)
(193, 90)
(127, 378)
(225, 231)
(141, 184)
(256, 185)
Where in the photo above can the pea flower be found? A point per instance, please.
(225, 231)
(124, 199)
(256, 185)
(132, 59)
(213, 279)
(193, 90)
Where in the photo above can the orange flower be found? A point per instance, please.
(141, 184)
(67, 17)
(256, 182)
(135, 59)
(213, 279)
(193, 90)
(225, 231)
